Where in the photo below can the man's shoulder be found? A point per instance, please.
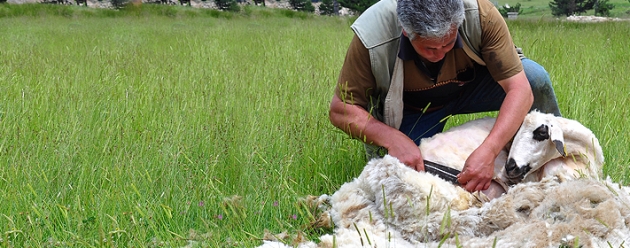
(378, 25)
(487, 9)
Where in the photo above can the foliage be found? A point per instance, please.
(570, 7)
(327, 7)
(227, 5)
(4, 1)
(119, 4)
(507, 8)
(603, 7)
(302, 5)
(357, 6)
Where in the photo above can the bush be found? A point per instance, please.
(507, 8)
(357, 6)
(119, 4)
(302, 5)
(327, 8)
(227, 5)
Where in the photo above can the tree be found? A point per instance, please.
(602, 8)
(357, 5)
(302, 5)
(327, 7)
(570, 7)
(227, 5)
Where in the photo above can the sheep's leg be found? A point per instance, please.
(495, 190)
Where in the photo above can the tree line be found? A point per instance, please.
(332, 7)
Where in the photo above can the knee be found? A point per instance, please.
(537, 76)
(544, 95)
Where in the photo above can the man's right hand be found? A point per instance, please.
(360, 124)
(406, 151)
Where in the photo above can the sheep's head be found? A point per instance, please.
(538, 141)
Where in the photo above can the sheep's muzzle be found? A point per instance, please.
(514, 173)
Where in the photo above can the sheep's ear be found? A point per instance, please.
(560, 147)
(557, 137)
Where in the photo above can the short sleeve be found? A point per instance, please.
(497, 48)
(356, 81)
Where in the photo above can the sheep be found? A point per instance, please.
(390, 203)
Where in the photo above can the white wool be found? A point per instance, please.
(276, 244)
(534, 214)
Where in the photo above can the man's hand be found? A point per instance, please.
(407, 152)
(478, 170)
(357, 122)
(479, 167)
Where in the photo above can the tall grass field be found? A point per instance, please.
(204, 129)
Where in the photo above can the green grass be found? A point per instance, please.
(540, 8)
(160, 130)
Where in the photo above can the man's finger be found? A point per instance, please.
(487, 185)
(479, 187)
(470, 185)
(462, 178)
(420, 166)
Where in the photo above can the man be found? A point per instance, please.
(413, 63)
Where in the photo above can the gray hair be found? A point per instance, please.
(429, 18)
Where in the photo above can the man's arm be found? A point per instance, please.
(479, 167)
(360, 124)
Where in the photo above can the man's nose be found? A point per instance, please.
(439, 54)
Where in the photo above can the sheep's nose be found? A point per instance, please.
(510, 165)
(514, 173)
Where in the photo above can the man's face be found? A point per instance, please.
(434, 50)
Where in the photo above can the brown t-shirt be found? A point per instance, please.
(435, 83)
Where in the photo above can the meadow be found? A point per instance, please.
(171, 127)
(535, 9)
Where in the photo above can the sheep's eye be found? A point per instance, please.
(541, 133)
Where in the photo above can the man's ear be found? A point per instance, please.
(405, 33)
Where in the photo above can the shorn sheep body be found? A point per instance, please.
(390, 204)
(544, 146)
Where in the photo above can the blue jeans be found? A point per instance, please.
(482, 95)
